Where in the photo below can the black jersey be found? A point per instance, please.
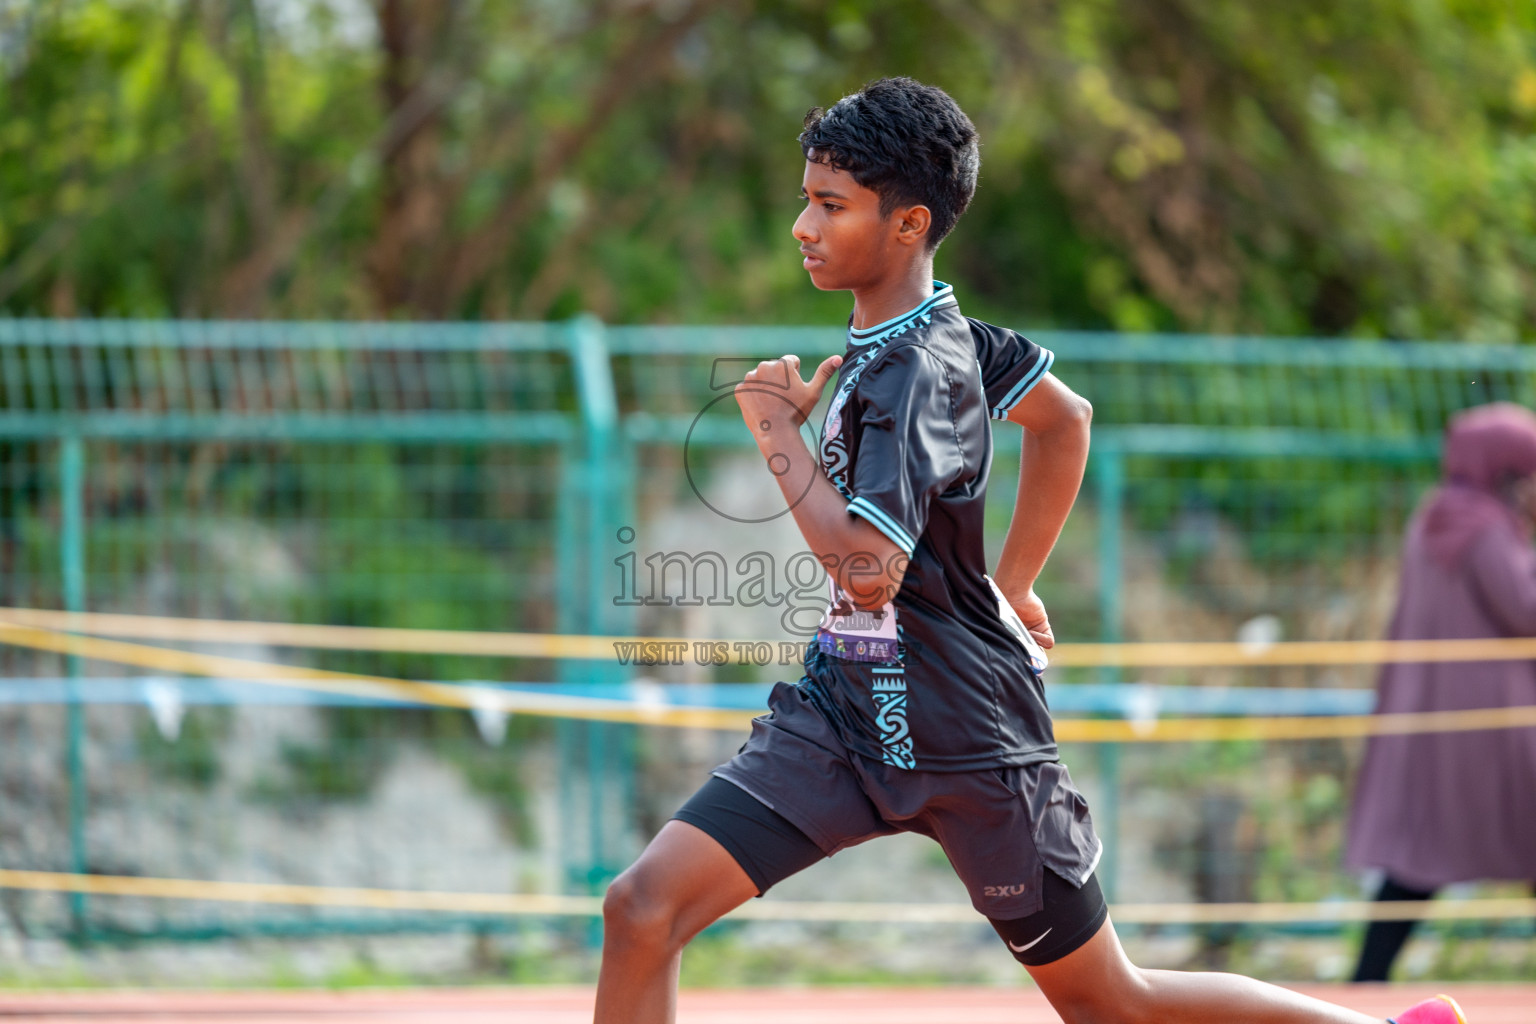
(935, 680)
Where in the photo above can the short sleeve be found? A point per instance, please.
(908, 451)
(1011, 365)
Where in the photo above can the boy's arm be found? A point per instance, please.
(1055, 422)
(774, 401)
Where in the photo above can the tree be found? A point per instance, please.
(1347, 167)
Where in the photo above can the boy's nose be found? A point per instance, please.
(802, 229)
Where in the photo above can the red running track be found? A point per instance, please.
(1485, 1004)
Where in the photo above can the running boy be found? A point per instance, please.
(921, 708)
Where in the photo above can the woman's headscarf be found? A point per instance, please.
(1485, 448)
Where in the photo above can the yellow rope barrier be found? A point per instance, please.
(292, 634)
(558, 646)
(537, 905)
(302, 895)
(474, 698)
(31, 629)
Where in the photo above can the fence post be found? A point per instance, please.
(1109, 481)
(568, 553)
(569, 571)
(600, 415)
(72, 567)
(601, 473)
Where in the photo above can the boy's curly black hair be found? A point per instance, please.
(909, 142)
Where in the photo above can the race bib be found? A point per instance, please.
(1033, 652)
(853, 635)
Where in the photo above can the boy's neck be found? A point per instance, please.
(894, 296)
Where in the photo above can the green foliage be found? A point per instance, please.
(193, 757)
(358, 744)
(1322, 167)
(493, 772)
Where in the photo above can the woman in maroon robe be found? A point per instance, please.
(1437, 808)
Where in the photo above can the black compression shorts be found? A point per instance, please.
(769, 848)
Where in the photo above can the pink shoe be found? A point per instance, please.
(1439, 1010)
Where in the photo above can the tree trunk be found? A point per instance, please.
(412, 214)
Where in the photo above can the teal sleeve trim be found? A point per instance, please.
(1025, 385)
(884, 523)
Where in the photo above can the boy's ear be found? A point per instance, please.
(912, 224)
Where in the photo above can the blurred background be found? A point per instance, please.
(406, 314)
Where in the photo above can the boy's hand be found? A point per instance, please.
(1031, 611)
(774, 395)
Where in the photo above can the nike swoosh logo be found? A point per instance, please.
(1030, 945)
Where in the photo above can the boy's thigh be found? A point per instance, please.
(762, 842)
(1021, 842)
(788, 798)
(1096, 976)
(1003, 829)
(1071, 918)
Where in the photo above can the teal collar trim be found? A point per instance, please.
(943, 295)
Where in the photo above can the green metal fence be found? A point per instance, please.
(492, 476)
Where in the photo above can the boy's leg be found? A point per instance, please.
(723, 847)
(788, 799)
(1098, 984)
(682, 883)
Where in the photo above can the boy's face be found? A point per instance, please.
(846, 243)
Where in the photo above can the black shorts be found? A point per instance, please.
(1020, 838)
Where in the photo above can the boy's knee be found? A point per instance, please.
(637, 914)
